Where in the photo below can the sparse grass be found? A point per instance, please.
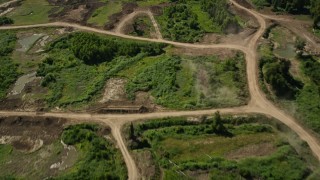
(198, 148)
(31, 12)
(101, 16)
(197, 82)
(184, 149)
(49, 154)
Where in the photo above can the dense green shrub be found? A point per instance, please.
(7, 43)
(93, 49)
(99, 158)
(8, 70)
(5, 21)
(218, 11)
(180, 23)
(83, 58)
(8, 74)
(160, 79)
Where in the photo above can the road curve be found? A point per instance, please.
(258, 102)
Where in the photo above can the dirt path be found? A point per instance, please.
(257, 104)
(130, 17)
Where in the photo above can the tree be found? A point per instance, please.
(300, 44)
(131, 132)
(217, 124)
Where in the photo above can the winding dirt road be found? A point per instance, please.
(130, 17)
(258, 102)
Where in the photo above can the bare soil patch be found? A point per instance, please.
(114, 90)
(226, 53)
(262, 149)
(28, 134)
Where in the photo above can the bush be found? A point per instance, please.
(5, 21)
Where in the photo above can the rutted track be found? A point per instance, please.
(127, 19)
(257, 104)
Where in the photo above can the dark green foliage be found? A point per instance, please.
(93, 49)
(5, 21)
(100, 159)
(160, 79)
(276, 73)
(79, 64)
(180, 23)
(309, 98)
(8, 75)
(311, 68)
(217, 125)
(218, 11)
(9, 70)
(7, 43)
(311, 7)
(300, 44)
(285, 163)
(309, 106)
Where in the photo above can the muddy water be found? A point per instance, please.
(21, 82)
(27, 42)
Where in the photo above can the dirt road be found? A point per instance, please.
(130, 17)
(258, 102)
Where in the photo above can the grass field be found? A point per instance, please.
(251, 147)
(31, 12)
(48, 154)
(101, 16)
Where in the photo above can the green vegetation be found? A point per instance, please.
(5, 21)
(79, 64)
(31, 12)
(190, 82)
(219, 14)
(8, 70)
(311, 7)
(101, 15)
(302, 91)
(216, 147)
(142, 26)
(179, 23)
(99, 158)
(93, 156)
(187, 21)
